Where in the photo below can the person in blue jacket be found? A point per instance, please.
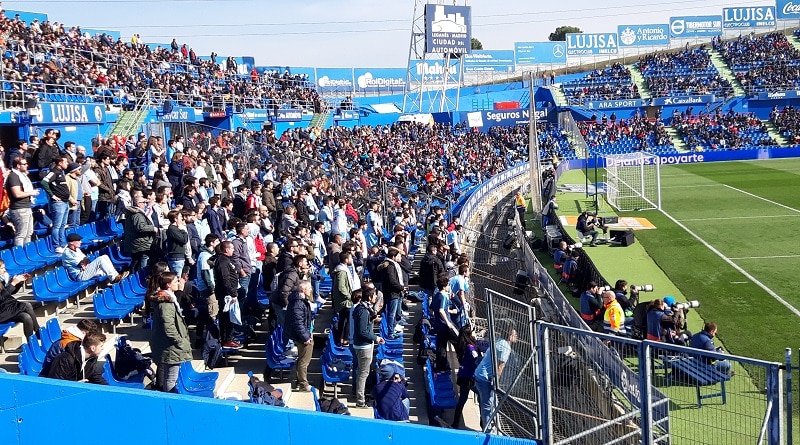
(705, 340)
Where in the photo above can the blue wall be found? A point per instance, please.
(33, 409)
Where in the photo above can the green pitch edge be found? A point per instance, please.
(638, 80)
(726, 72)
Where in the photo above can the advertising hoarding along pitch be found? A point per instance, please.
(749, 17)
(786, 9)
(643, 35)
(448, 29)
(591, 44)
(695, 26)
(489, 61)
(535, 53)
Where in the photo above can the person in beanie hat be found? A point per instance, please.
(80, 268)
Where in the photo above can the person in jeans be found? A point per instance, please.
(363, 338)
(81, 268)
(298, 328)
(20, 191)
(393, 287)
(484, 373)
(55, 185)
(170, 336)
(177, 239)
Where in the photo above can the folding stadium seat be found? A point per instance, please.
(113, 380)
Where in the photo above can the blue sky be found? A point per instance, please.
(347, 33)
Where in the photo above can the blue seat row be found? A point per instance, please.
(195, 383)
(440, 388)
(119, 301)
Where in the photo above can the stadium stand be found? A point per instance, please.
(762, 63)
(685, 73)
(609, 83)
(787, 121)
(612, 136)
(722, 131)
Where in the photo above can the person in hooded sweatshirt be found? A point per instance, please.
(78, 361)
(73, 334)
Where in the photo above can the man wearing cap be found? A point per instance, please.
(55, 185)
(80, 268)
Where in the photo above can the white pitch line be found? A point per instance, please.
(690, 186)
(764, 199)
(765, 257)
(723, 218)
(734, 265)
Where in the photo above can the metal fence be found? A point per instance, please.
(515, 411)
(664, 394)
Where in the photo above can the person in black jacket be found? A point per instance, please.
(45, 155)
(177, 241)
(226, 284)
(393, 286)
(55, 184)
(12, 309)
(288, 280)
(430, 267)
(80, 366)
(298, 329)
(364, 339)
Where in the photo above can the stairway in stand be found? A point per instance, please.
(726, 72)
(638, 79)
(677, 140)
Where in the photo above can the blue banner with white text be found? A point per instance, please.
(592, 44)
(788, 9)
(370, 80)
(433, 71)
(70, 113)
(643, 35)
(448, 29)
(335, 79)
(682, 100)
(749, 17)
(535, 53)
(289, 115)
(489, 61)
(791, 94)
(695, 26)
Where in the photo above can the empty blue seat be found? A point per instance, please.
(195, 383)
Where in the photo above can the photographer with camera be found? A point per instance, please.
(585, 226)
(591, 305)
(705, 340)
(663, 323)
(560, 256)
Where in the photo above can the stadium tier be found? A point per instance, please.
(616, 136)
(610, 83)
(722, 131)
(764, 63)
(685, 73)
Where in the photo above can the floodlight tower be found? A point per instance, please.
(433, 69)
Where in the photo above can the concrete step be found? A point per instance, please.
(638, 79)
(775, 134)
(677, 140)
(558, 94)
(726, 72)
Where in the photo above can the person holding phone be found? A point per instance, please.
(12, 309)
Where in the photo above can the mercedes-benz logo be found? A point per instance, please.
(558, 51)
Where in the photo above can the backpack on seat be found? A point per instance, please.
(263, 393)
(333, 406)
(212, 349)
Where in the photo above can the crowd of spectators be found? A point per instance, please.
(612, 135)
(613, 82)
(47, 57)
(688, 72)
(787, 121)
(553, 143)
(762, 63)
(720, 131)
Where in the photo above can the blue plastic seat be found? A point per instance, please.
(51, 333)
(43, 293)
(103, 313)
(110, 375)
(195, 383)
